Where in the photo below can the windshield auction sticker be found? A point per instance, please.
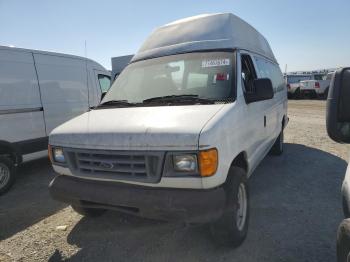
(216, 62)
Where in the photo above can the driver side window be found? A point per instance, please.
(248, 74)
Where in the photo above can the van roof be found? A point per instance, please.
(204, 32)
(34, 51)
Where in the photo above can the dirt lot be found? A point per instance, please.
(295, 210)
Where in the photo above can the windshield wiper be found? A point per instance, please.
(115, 103)
(179, 98)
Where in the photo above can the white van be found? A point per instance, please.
(39, 91)
(181, 129)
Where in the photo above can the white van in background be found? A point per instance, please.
(180, 131)
(40, 90)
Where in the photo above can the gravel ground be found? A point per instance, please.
(295, 211)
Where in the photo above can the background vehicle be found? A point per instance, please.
(118, 64)
(318, 87)
(38, 91)
(181, 129)
(293, 83)
(338, 128)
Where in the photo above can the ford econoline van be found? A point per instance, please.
(181, 129)
(40, 90)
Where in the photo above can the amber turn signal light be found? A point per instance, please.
(50, 153)
(208, 162)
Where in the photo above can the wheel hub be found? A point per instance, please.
(242, 205)
(4, 175)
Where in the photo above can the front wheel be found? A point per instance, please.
(232, 228)
(7, 174)
(277, 148)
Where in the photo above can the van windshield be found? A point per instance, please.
(202, 75)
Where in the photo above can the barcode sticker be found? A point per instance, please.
(216, 62)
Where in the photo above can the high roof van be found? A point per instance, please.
(181, 129)
(40, 90)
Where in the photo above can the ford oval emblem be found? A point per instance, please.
(107, 165)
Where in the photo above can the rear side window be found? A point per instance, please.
(272, 71)
(105, 83)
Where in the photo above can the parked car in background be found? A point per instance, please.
(317, 87)
(40, 90)
(293, 83)
(180, 131)
(338, 128)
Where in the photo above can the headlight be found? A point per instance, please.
(185, 163)
(58, 155)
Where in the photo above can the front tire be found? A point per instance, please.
(7, 174)
(88, 212)
(232, 228)
(343, 241)
(278, 147)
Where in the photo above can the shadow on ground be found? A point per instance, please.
(28, 201)
(295, 211)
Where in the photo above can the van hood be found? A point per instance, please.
(136, 128)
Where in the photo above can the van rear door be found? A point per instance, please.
(21, 112)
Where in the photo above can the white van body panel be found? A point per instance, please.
(21, 116)
(63, 84)
(136, 128)
(204, 32)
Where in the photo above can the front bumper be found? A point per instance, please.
(185, 205)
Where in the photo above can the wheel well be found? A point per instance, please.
(241, 161)
(7, 150)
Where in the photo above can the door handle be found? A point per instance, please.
(264, 121)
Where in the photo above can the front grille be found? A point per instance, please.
(116, 165)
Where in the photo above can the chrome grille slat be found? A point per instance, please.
(116, 165)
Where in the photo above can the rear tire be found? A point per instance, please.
(7, 174)
(278, 147)
(232, 228)
(343, 241)
(88, 212)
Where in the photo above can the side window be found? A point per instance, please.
(105, 83)
(272, 71)
(248, 73)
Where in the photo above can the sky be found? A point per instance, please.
(304, 35)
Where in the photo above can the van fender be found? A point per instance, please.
(240, 160)
(11, 149)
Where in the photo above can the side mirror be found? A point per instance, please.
(263, 90)
(103, 95)
(338, 107)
